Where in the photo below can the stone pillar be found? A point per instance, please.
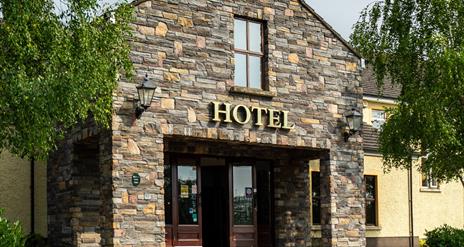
(138, 210)
(342, 198)
(291, 181)
(79, 190)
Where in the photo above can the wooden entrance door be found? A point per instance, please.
(186, 209)
(242, 188)
(248, 223)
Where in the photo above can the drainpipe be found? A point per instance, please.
(411, 209)
(32, 196)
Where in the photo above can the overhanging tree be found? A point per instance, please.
(56, 69)
(419, 45)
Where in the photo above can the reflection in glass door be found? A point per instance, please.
(188, 220)
(187, 192)
(243, 229)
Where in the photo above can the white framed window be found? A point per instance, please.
(378, 118)
(429, 182)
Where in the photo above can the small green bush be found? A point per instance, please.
(36, 240)
(445, 236)
(11, 234)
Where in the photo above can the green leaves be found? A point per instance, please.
(56, 70)
(419, 45)
(11, 234)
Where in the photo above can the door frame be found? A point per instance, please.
(234, 229)
(192, 159)
(176, 227)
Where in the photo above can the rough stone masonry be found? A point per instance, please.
(186, 48)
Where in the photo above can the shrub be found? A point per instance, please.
(422, 243)
(445, 236)
(36, 240)
(11, 234)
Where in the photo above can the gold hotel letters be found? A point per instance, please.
(276, 118)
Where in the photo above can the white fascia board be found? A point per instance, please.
(380, 100)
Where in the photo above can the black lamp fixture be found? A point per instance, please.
(145, 93)
(353, 120)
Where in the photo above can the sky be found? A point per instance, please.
(340, 14)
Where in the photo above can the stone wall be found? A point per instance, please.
(79, 190)
(292, 199)
(186, 48)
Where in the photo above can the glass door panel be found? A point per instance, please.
(243, 195)
(187, 217)
(243, 213)
(187, 195)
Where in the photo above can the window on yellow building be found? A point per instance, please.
(249, 53)
(371, 200)
(378, 118)
(316, 198)
(428, 181)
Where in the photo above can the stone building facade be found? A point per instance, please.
(186, 48)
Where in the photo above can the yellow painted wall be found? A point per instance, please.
(15, 192)
(431, 209)
(392, 195)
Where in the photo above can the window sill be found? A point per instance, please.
(252, 91)
(373, 228)
(430, 190)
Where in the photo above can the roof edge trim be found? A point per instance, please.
(328, 26)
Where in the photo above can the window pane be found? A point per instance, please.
(255, 37)
(378, 118)
(370, 213)
(240, 70)
(425, 181)
(370, 200)
(255, 72)
(370, 187)
(240, 34)
(243, 195)
(187, 191)
(316, 197)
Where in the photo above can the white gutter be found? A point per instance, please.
(380, 100)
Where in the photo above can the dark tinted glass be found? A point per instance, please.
(263, 182)
(370, 187)
(371, 216)
(316, 197)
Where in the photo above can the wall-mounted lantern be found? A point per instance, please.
(145, 93)
(353, 121)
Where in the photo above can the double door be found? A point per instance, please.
(218, 205)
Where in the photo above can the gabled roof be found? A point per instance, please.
(369, 84)
(328, 26)
(313, 12)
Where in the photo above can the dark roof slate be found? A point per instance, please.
(369, 84)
